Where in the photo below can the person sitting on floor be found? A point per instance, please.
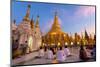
(41, 52)
(61, 55)
(50, 54)
(66, 51)
(83, 54)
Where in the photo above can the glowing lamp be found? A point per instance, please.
(71, 43)
(58, 44)
(78, 43)
(66, 43)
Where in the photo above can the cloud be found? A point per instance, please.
(85, 11)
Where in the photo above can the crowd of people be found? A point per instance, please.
(85, 55)
(63, 52)
(59, 53)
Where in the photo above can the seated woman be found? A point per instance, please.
(66, 51)
(61, 55)
(46, 52)
(50, 54)
(83, 54)
(41, 52)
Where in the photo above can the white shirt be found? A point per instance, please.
(67, 52)
(50, 54)
(41, 53)
(61, 55)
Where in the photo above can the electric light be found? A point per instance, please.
(58, 44)
(64, 35)
(71, 43)
(78, 43)
(52, 44)
(66, 43)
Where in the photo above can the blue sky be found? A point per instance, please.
(72, 18)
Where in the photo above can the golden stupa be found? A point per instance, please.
(56, 36)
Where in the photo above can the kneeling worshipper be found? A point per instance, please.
(61, 55)
(67, 51)
(41, 52)
(83, 54)
(50, 54)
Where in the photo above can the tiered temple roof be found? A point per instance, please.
(55, 35)
(56, 28)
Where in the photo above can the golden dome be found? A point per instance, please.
(55, 29)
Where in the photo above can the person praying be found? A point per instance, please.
(41, 52)
(67, 51)
(83, 54)
(61, 55)
(50, 53)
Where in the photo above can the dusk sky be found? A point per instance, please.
(72, 18)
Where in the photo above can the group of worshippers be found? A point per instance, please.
(60, 53)
(85, 54)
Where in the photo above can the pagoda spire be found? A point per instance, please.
(56, 22)
(55, 26)
(32, 23)
(27, 13)
(37, 22)
(86, 35)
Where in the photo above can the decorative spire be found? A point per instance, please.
(32, 23)
(56, 25)
(55, 29)
(27, 13)
(37, 21)
(56, 22)
(86, 35)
